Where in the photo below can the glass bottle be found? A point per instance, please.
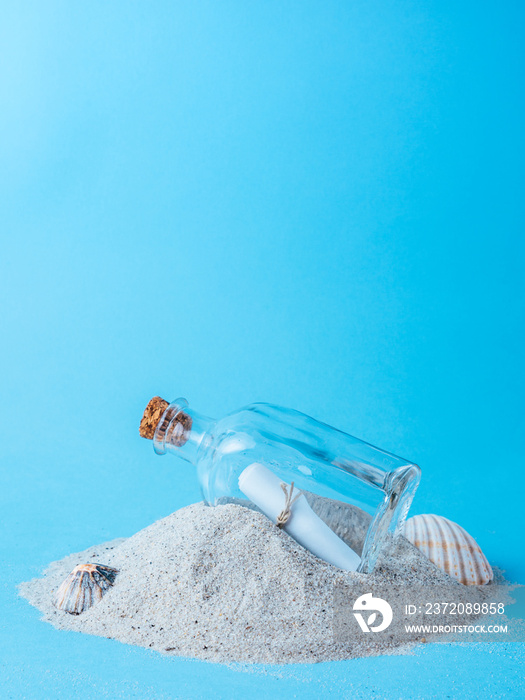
(361, 492)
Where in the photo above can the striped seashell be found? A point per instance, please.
(450, 548)
(84, 587)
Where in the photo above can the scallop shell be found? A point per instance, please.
(84, 587)
(450, 548)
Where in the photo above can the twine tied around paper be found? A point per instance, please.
(284, 515)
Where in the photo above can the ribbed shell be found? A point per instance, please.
(84, 587)
(450, 548)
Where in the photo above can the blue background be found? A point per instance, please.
(316, 204)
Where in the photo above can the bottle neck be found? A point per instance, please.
(182, 431)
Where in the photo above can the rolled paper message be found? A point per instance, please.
(263, 488)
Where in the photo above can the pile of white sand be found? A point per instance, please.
(225, 584)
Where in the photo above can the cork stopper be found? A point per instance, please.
(172, 424)
(152, 415)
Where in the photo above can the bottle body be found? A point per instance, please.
(361, 492)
